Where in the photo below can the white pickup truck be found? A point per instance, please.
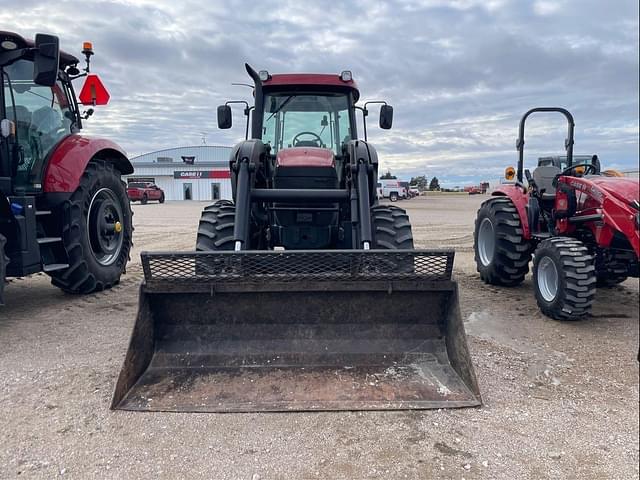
(392, 190)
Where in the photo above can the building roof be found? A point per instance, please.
(204, 155)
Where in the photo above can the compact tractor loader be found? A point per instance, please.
(63, 208)
(304, 293)
(581, 225)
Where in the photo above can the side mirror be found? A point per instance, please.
(46, 60)
(386, 117)
(224, 117)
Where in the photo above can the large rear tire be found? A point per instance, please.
(564, 278)
(215, 230)
(391, 228)
(502, 254)
(96, 231)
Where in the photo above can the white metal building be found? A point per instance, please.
(186, 173)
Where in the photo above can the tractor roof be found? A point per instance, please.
(65, 58)
(311, 79)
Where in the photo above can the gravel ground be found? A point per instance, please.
(560, 399)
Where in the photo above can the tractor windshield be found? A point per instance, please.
(42, 114)
(305, 120)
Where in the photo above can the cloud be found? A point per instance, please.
(459, 73)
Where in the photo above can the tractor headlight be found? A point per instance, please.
(264, 75)
(8, 45)
(346, 76)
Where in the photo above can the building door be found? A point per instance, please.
(187, 191)
(215, 191)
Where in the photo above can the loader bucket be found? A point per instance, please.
(297, 330)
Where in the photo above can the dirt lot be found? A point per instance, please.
(560, 399)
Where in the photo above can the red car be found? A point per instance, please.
(144, 191)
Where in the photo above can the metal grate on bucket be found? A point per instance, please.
(294, 265)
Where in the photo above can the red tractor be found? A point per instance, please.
(63, 207)
(582, 227)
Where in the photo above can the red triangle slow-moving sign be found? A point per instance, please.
(93, 91)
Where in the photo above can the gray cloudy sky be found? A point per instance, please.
(459, 73)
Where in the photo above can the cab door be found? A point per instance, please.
(43, 117)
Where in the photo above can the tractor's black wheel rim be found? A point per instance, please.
(105, 226)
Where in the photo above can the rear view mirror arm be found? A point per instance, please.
(247, 113)
(365, 112)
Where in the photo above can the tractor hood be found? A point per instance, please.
(624, 189)
(305, 157)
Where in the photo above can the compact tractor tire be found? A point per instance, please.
(4, 260)
(144, 199)
(391, 228)
(95, 263)
(215, 230)
(564, 278)
(501, 252)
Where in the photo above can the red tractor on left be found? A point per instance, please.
(64, 209)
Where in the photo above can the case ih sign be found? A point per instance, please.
(195, 174)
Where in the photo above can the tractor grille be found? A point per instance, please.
(296, 265)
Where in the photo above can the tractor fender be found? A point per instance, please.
(69, 159)
(520, 199)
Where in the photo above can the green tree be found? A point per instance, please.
(388, 176)
(434, 185)
(420, 182)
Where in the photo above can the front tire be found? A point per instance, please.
(161, 199)
(502, 254)
(391, 228)
(96, 231)
(215, 230)
(393, 197)
(144, 199)
(564, 278)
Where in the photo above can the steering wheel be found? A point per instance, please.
(317, 138)
(587, 167)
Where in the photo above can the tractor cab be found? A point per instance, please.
(38, 106)
(304, 126)
(302, 111)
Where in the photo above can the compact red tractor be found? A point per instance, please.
(63, 207)
(582, 226)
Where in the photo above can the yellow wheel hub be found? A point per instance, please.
(118, 227)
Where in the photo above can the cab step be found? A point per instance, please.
(45, 240)
(52, 267)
